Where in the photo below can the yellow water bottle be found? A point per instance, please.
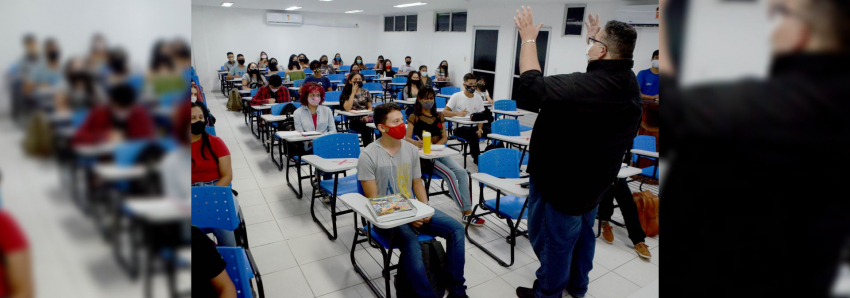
(426, 142)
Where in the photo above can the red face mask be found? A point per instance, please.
(397, 132)
(389, 67)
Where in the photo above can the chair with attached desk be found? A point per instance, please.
(370, 65)
(272, 127)
(511, 128)
(368, 72)
(645, 144)
(339, 120)
(341, 145)
(345, 68)
(240, 271)
(337, 77)
(213, 207)
(296, 84)
(508, 105)
(449, 90)
(246, 106)
(373, 86)
(402, 80)
(500, 163)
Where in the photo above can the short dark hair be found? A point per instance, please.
(620, 39)
(275, 80)
(408, 57)
(469, 76)
(654, 54)
(229, 53)
(837, 21)
(315, 62)
(29, 37)
(383, 110)
(421, 66)
(240, 55)
(122, 95)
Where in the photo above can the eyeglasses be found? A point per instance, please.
(596, 40)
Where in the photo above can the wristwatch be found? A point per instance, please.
(527, 41)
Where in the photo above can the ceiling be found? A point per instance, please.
(379, 7)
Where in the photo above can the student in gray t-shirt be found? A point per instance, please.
(239, 70)
(389, 166)
(231, 63)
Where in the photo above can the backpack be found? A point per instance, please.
(434, 257)
(647, 206)
(39, 137)
(234, 102)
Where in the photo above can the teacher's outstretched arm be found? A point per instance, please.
(528, 35)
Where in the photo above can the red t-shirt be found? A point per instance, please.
(316, 125)
(206, 170)
(11, 240)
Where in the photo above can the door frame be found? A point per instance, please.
(514, 53)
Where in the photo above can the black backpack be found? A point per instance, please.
(434, 257)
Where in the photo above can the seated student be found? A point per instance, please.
(317, 76)
(210, 164)
(481, 91)
(15, 260)
(426, 79)
(263, 62)
(648, 80)
(239, 70)
(355, 69)
(116, 121)
(253, 79)
(390, 166)
(337, 61)
(464, 104)
(197, 94)
(355, 97)
(359, 62)
(302, 59)
(404, 69)
(312, 116)
(388, 69)
(209, 279)
(426, 118)
(78, 91)
(442, 73)
(414, 84)
(273, 66)
(379, 66)
(48, 73)
(293, 64)
(628, 208)
(274, 92)
(326, 69)
(231, 62)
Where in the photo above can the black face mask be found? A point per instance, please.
(53, 55)
(408, 62)
(415, 81)
(482, 86)
(273, 63)
(304, 61)
(198, 127)
(117, 65)
(254, 71)
(241, 61)
(359, 84)
(324, 62)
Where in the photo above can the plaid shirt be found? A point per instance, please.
(264, 93)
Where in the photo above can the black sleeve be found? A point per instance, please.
(207, 263)
(541, 89)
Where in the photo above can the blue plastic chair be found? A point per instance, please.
(210, 130)
(441, 102)
(370, 65)
(645, 143)
(508, 127)
(340, 145)
(240, 271)
(373, 86)
(78, 117)
(508, 105)
(345, 68)
(395, 69)
(254, 91)
(449, 90)
(501, 163)
(368, 72)
(337, 77)
(333, 96)
(171, 99)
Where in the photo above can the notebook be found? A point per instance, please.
(391, 207)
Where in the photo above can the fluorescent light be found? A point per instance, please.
(353, 11)
(293, 8)
(410, 4)
(227, 4)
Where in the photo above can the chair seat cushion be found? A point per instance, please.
(386, 243)
(509, 206)
(346, 185)
(523, 128)
(648, 171)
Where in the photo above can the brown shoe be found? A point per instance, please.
(643, 250)
(607, 234)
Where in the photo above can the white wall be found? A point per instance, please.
(566, 54)
(216, 31)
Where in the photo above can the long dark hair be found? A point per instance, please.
(273, 67)
(258, 77)
(293, 64)
(361, 64)
(410, 83)
(348, 88)
(205, 138)
(340, 59)
(324, 57)
(423, 94)
(446, 69)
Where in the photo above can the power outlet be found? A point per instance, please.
(464, 58)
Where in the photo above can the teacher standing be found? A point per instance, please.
(604, 103)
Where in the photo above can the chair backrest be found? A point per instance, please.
(337, 77)
(373, 86)
(214, 207)
(643, 143)
(210, 130)
(400, 80)
(333, 95)
(370, 65)
(395, 69)
(138, 82)
(298, 83)
(78, 117)
(449, 90)
(338, 145)
(297, 75)
(239, 269)
(345, 67)
(278, 108)
(254, 91)
(441, 102)
(126, 153)
(367, 72)
(501, 163)
(508, 127)
(171, 99)
(504, 105)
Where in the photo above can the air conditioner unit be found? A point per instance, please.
(638, 15)
(277, 18)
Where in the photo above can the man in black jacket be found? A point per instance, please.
(605, 103)
(760, 164)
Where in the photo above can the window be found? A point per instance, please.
(398, 23)
(450, 22)
(573, 20)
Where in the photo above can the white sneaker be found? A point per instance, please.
(476, 222)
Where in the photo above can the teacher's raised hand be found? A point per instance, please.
(525, 24)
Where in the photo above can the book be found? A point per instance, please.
(391, 207)
(310, 133)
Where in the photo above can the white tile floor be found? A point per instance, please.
(297, 259)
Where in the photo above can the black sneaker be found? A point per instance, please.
(523, 292)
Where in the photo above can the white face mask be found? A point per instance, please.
(274, 89)
(264, 57)
(654, 63)
(194, 98)
(590, 46)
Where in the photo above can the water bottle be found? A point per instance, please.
(426, 142)
(287, 77)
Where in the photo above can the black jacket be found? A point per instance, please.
(586, 123)
(755, 201)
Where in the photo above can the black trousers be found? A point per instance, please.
(623, 194)
(470, 133)
(360, 127)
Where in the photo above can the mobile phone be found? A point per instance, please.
(524, 185)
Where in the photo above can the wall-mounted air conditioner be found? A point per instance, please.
(278, 18)
(638, 15)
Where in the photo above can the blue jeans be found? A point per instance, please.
(405, 239)
(564, 244)
(455, 177)
(222, 236)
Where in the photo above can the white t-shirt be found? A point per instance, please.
(459, 102)
(482, 95)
